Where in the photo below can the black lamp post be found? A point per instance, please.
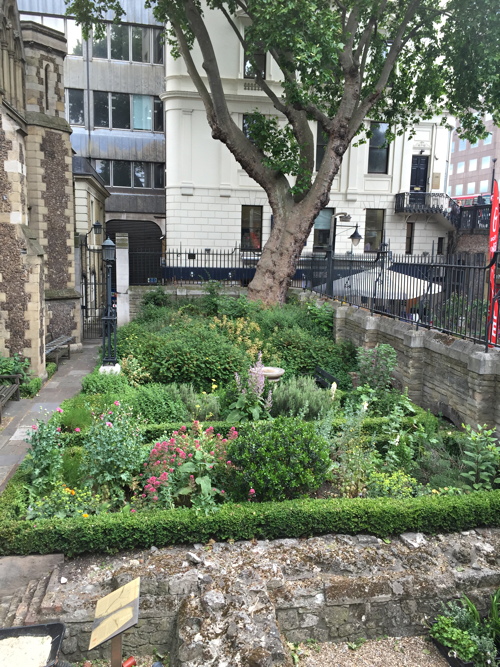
(355, 238)
(109, 318)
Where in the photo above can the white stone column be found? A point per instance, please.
(122, 279)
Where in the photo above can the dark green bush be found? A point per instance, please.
(108, 533)
(285, 458)
(156, 297)
(15, 365)
(71, 473)
(156, 403)
(31, 388)
(51, 368)
(102, 383)
(198, 355)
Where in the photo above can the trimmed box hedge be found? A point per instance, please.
(300, 518)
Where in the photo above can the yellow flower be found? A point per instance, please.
(214, 387)
(85, 515)
(196, 406)
(434, 491)
(72, 492)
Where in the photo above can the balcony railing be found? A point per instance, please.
(476, 217)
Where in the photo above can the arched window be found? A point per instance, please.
(47, 72)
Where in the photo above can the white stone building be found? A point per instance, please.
(213, 203)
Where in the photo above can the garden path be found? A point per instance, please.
(18, 416)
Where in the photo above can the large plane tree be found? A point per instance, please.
(341, 61)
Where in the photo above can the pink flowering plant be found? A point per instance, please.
(254, 402)
(184, 470)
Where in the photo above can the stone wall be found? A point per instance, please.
(450, 376)
(232, 604)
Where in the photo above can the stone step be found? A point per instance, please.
(14, 604)
(4, 609)
(23, 606)
(36, 602)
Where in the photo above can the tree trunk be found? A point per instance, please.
(280, 254)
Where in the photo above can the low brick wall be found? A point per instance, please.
(453, 377)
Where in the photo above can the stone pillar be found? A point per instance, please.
(413, 368)
(122, 279)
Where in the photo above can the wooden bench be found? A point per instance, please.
(8, 391)
(324, 379)
(57, 347)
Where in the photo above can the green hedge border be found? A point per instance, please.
(303, 518)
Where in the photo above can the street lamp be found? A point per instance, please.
(355, 238)
(109, 318)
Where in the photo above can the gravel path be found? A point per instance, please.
(391, 652)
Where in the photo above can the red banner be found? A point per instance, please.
(494, 224)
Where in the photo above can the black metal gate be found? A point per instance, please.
(93, 289)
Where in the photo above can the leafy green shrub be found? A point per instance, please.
(15, 365)
(297, 518)
(63, 502)
(45, 459)
(51, 368)
(156, 297)
(480, 458)
(78, 415)
(391, 485)
(114, 454)
(283, 459)
(135, 373)
(31, 388)
(300, 396)
(14, 499)
(72, 460)
(102, 383)
(155, 403)
(234, 308)
(201, 406)
(197, 355)
(376, 365)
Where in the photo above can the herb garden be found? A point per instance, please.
(191, 441)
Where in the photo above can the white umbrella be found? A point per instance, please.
(383, 284)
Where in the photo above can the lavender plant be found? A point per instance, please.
(253, 403)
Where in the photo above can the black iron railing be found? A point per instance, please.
(468, 214)
(449, 293)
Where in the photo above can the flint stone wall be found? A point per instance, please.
(238, 604)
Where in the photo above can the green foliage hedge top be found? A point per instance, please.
(299, 518)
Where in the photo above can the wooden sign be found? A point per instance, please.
(115, 613)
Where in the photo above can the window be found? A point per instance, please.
(374, 228)
(120, 111)
(459, 190)
(103, 168)
(487, 140)
(74, 37)
(410, 234)
(471, 188)
(484, 186)
(100, 47)
(76, 114)
(122, 173)
(251, 227)
(452, 146)
(54, 22)
(254, 63)
(475, 144)
(485, 162)
(140, 44)
(460, 167)
(158, 115)
(450, 172)
(378, 155)
(462, 144)
(158, 175)
(321, 142)
(125, 174)
(472, 165)
(119, 42)
(143, 112)
(101, 109)
(322, 226)
(157, 46)
(448, 191)
(440, 245)
(47, 82)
